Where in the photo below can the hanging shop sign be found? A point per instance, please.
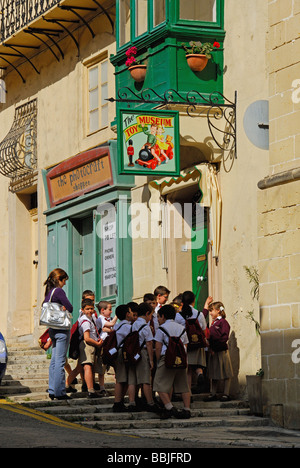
(79, 175)
(148, 142)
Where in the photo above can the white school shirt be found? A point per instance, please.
(122, 330)
(145, 333)
(154, 317)
(201, 318)
(100, 322)
(85, 324)
(174, 329)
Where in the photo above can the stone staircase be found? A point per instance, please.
(26, 376)
(230, 423)
(26, 382)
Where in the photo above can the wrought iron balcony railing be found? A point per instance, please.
(16, 14)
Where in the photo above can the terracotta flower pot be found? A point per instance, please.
(138, 72)
(196, 62)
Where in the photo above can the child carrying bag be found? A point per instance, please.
(131, 346)
(53, 315)
(175, 357)
(75, 341)
(195, 334)
(110, 348)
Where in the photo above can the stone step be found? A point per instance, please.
(149, 423)
(27, 360)
(98, 414)
(12, 352)
(105, 413)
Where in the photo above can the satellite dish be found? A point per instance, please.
(256, 124)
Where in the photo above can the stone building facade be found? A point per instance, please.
(279, 220)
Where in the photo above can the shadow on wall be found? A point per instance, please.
(235, 361)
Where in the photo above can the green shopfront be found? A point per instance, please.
(156, 31)
(87, 225)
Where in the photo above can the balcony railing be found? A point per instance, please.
(16, 14)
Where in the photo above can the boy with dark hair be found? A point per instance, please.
(122, 329)
(167, 379)
(104, 323)
(140, 373)
(90, 344)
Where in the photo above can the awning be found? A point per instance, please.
(29, 26)
(205, 176)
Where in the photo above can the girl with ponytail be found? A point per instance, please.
(60, 338)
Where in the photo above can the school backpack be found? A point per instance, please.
(110, 348)
(131, 346)
(75, 341)
(175, 357)
(44, 338)
(195, 334)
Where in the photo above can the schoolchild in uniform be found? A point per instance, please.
(122, 329)
(105, 324)
(90, 344)
(177, 303)
(219, 364)
(139, 374)
(161, 294)
(196, 357)
(133, 306)
(166, 379)
(87, 294)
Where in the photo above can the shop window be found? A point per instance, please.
(141, 19)
(97, 95)
(198, 10)
(124, 22)
(159, 12)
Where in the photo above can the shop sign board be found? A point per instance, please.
(109, 253)
(148, 142)
(79, 175)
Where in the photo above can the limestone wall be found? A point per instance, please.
(279, 219)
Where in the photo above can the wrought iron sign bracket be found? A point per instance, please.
(219, 111)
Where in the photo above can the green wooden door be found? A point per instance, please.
(58, 251)
(84, 254)
(199, 259)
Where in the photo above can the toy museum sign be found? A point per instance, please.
(148, 142)
(78, 175)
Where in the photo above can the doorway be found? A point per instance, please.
(200, 258)
(84, 258)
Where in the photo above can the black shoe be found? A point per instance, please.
(119, 407)
(153, 408)
(184, 414)
(172, 413)
(93, 395)
(225, 398)
(71, 390)
(51, 396)
(133, 408)
(211, 398)
(84, 387)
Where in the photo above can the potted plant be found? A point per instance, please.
(198, 54)
(136, 69)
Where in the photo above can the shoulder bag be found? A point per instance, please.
(53, 315)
